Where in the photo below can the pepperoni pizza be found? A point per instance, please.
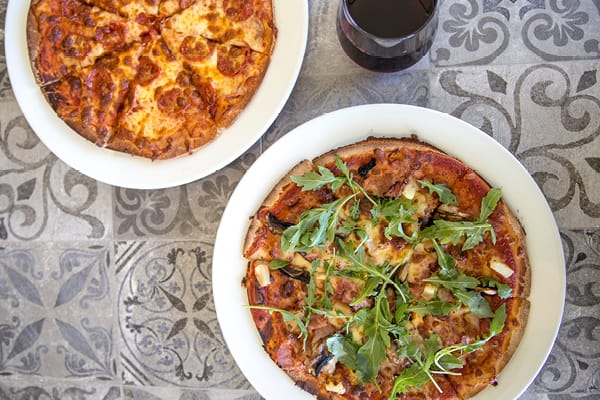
(153, 78)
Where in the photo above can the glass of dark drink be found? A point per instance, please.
(387, 35)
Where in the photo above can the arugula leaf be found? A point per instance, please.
(459, 281)
(435, 307)
(504, 291)
(444, 193)
(498, 321)
(316, 226)
(453, 231)
(278, 264)
(419, 372)
(409, 377)
(396, 212)
(287, 317)
(369, 289)
(360, 265)
(445, 261)
(473, 231)
(488, 204)
(368, 359)
(344, 350)
(475, 301)
(496, 326)
(370, 355)
(314, 180)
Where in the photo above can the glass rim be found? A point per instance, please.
(346, 11)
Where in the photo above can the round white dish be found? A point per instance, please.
(119, 169)
(449, 134)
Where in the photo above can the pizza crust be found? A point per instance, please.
(33, 42)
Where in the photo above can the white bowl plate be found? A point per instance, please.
(119, 169)
(453, 136)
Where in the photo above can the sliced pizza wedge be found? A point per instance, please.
(89, 99)
(65, 36)
(247, 23)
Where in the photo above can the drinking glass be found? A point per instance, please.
(387, 35)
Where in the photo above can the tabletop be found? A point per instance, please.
(90, 307)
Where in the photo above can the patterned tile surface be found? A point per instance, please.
(105, 292)
(547, 115)
(482, 32)
(50, 323)
(39, 194)
(167, 322)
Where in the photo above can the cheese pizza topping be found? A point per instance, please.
(184, 71)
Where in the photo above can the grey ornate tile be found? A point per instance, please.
(44, 390)
(41, 197)
(547, 115)
(56, 317)
(167, 320)
(479, 32)
(157, 393)
(574, 365)
(317, 95)
(189, 211)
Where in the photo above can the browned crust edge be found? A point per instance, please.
(256, 223)
(516, 333)
(34, 39)
(522, 259)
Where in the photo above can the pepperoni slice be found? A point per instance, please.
(172, 101)
(239, 10)
(185, 3)
(101, 85)
(147, 71)
(231, 60)
(75, 46)
(77, 12)
(111, 35)
(196, 49)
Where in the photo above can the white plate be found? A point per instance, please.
(291, 17)
(457, 138)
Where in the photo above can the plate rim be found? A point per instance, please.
(231, 232)
(107, 166)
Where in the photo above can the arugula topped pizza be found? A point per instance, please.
(387, 269)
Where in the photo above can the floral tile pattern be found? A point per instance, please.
(191, 211)
(547, 115)
(167, 319)
(11, 390)
(39, 194)
(46, 295)
(573, 364)
(480, 32)
(317, 96)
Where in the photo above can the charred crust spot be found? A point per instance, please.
(364, 170)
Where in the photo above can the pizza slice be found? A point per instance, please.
(229, 74)
(127, 8)
(243, 23)
(166, 113)
(66, 35)
(89, 99)
(169, 7)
